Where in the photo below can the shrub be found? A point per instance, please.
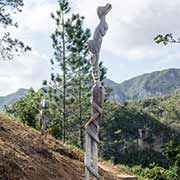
(156, 173)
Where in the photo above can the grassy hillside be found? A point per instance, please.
(24, 155)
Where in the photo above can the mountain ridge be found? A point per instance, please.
(152, 84)
(13, 97)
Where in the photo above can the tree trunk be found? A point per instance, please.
(64, 83)
(80, 111)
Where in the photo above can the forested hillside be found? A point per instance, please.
(146, 85)
(133, 132)
(164, 108)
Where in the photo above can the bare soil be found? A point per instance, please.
(24, 155)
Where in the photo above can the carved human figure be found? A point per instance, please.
(97, 100)
(43, 118)
(98, 97)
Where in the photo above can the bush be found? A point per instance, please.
(172, 152)
(172, 174)
(156, 173)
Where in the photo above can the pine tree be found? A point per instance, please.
(69, 41)
(59, 77)
(71, 80)
(79, 85)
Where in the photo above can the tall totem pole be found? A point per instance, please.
(97, 99)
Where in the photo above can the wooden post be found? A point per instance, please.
(43, 118)
(97, 99)
(87, 156)
(95, 157)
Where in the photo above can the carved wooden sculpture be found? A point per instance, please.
(43, 118)
(92, 126)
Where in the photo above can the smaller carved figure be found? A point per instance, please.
(43, 119)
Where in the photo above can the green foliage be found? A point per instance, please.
(156, 173)
(79, 85)
(164, 108)
(69, 88)
(7, 6)
(138, 170)
(8, 46)
(165, 39)
(121, 125)
(172, 152)
(26, 109)
(71, 81)
(58, 92)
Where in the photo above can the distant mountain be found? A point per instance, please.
(11, 98)
(146, 85)
(117, 94)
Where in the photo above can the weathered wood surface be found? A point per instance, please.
(43, 119)
(125, 177)
(92, 126)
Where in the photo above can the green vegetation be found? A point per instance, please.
(120, 137)
(69, 87)
(172, 152)
(9, 46)
(119, 128)
(166, 39)
(143, 134)
(27, 109)
(164, 108)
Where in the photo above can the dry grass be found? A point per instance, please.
(24, 155)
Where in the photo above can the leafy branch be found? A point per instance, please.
(165, 39)
(10, 47)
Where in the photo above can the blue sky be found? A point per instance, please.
(128, 49)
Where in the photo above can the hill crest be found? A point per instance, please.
(147, 85)
(24, 155)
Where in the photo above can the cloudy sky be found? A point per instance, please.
(128, 48)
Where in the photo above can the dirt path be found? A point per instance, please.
(116, 172)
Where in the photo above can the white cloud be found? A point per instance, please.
(133, 24)
(128, 44)
(27, 71)
(36, 16)
(35, 27)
